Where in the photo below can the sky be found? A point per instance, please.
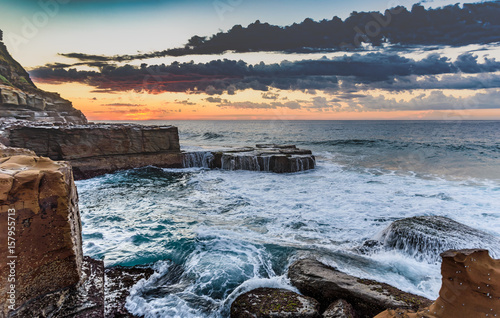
(241, 59)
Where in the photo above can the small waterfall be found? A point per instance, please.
(237, 162)
(425, 237)
(200, 159)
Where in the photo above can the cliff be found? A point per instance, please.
(93, 150)
(21, 99)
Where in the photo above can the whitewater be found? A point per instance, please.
(211, 235)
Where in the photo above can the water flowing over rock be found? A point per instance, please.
(425, 237)
(270, 303)
(273, 158)
(367, 297)
(20, 99)
(470, 288)
(93, 150)
(40, 197)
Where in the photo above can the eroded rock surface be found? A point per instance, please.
(368, 297)
(274, 303)
(93, 150)
(470, 288)
(340, 309)
(40, 198)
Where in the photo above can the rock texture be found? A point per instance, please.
(41, 198)
(118, 281)
(269, 157)
(368, 298)
(340, 309)
(21, 99)
(470, 288)
(274, 303)
(85, 300)
(425, 237)
(98, 149)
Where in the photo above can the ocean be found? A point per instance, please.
(211, 235)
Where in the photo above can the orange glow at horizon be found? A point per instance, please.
(133, 106)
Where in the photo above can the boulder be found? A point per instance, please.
(340, 309)
(93, 150)
(39, 211)
(274, 303)
(368, 297)
(425, 237)
(470, 288)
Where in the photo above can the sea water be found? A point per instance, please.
(211, 235)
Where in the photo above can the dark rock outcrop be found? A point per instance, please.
(21, 99)
(470, 288)
(273, 158)
(425, 237)
(340, 309)
(273, 303)
(93, 150)
(368, 297)
(118, 281)
(40, 199)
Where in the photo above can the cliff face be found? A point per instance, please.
(21, 99)
(39, 218)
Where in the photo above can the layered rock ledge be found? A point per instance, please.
(264, 157)
(94, 149)
(21, 99)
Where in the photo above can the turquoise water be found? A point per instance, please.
(213, 234)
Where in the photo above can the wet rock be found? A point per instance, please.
(273, 158)
(368, 297)
(93, 150)
(119, 280)
(41, 198)
(274, 303)
(425, 237)
(340, 309)
(470, 288)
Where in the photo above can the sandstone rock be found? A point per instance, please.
(470, 288)
(367, 297)
(340, 309)
(46, 227)
(425, 237)
(98, 149)
(10, 151)
(274, 303)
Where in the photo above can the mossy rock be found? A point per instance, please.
(270, 302)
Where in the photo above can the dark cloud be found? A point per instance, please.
(253, 105)
(355, 72)
(476, 23)
(185, 102)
